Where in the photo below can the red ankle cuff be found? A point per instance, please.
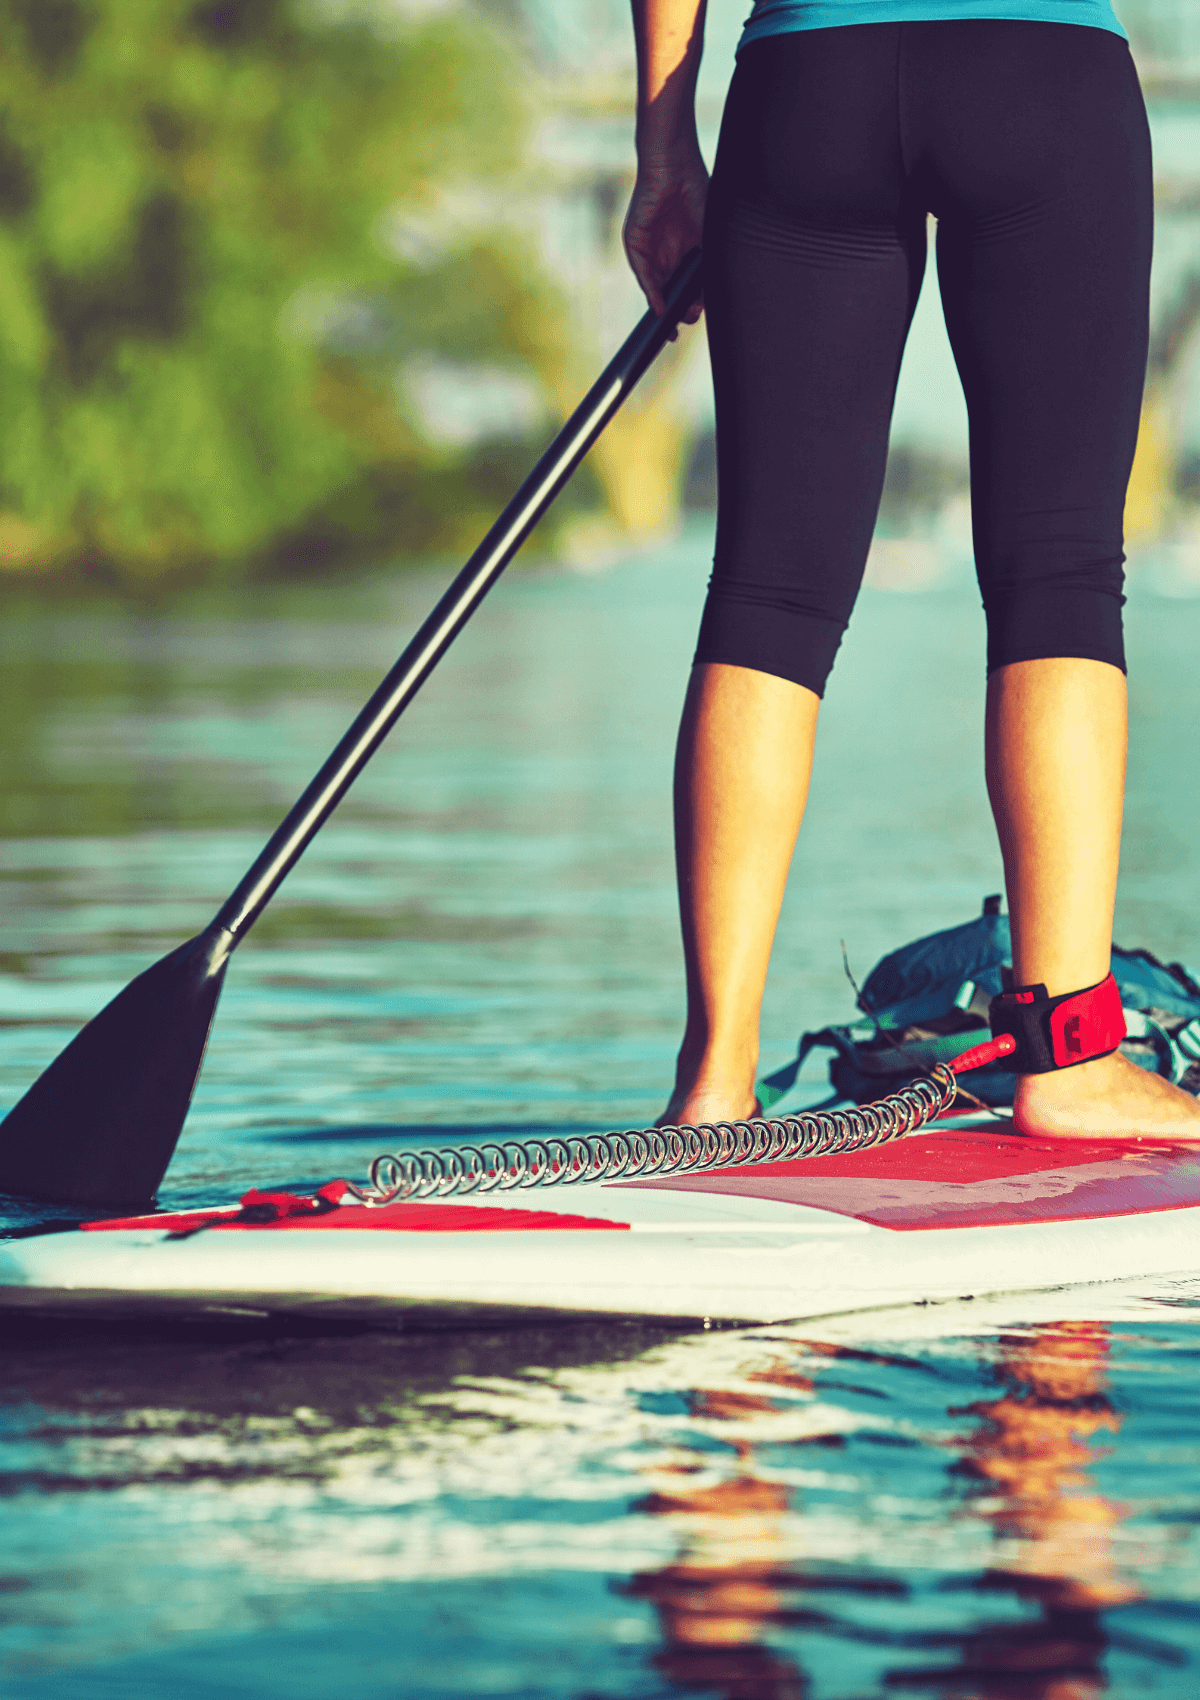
(1059, 1032)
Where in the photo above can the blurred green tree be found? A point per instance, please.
(200, 323)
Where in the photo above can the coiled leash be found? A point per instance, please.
(659, 1151)
(1038, 1032)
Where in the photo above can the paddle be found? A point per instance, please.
(101, 1124)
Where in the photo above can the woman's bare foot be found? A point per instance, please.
(1109, 1098)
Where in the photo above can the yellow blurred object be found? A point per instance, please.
(25, 546)
(638, 461)
(1148, 498)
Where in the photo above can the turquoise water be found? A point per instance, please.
(973, 1502)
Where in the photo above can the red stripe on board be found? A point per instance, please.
(397, 1218)
(172, 1221)
(429, 1218)
(971, 1178)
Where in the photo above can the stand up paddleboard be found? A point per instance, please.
(970, 1209)
(755, 1222)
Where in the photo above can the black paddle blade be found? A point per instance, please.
(101, 1124)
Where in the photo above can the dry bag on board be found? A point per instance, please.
(927, 1001)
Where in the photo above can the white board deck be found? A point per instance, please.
(775, 1243)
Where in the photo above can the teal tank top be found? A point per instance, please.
(779, 17)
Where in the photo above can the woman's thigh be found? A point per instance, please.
(813, 255)
(1031, 142)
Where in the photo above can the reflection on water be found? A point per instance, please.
(959, 1503)
(606, 1511)
(716, 1615)
(1031, 1456)
(1032, 1453)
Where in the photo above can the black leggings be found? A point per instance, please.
(1029, 143)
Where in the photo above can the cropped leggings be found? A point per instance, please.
(1029, 144)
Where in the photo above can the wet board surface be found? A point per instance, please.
(974, 1177)
(940, 1215)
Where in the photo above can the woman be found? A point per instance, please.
(847, 122)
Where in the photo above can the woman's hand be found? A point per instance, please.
(665, 221)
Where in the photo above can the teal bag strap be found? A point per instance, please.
(778, 1085)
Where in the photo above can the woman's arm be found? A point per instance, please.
(666, 213)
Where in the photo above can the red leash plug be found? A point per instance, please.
(981, 1055)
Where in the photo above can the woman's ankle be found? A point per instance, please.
(713, 1086)
(722, 1067)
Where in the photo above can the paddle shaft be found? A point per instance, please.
(460, 601)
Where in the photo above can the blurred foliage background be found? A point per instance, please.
(201, 312)
(287, 283)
